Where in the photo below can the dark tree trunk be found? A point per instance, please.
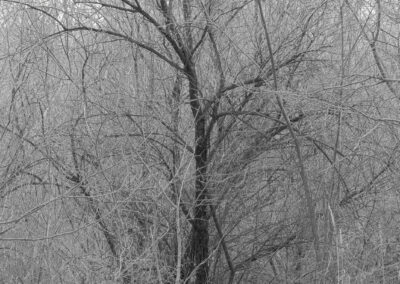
(200, 234)
(197, 252)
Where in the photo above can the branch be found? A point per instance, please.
(350, 196)
(223, 243)
(303, 174)
(122, 36)
(372, 44)
(37, 9)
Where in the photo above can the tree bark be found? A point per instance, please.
(198, 253)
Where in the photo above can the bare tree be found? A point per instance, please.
(198, 141)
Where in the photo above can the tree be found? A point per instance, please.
(197, 141)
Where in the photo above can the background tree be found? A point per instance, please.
(199, 141)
